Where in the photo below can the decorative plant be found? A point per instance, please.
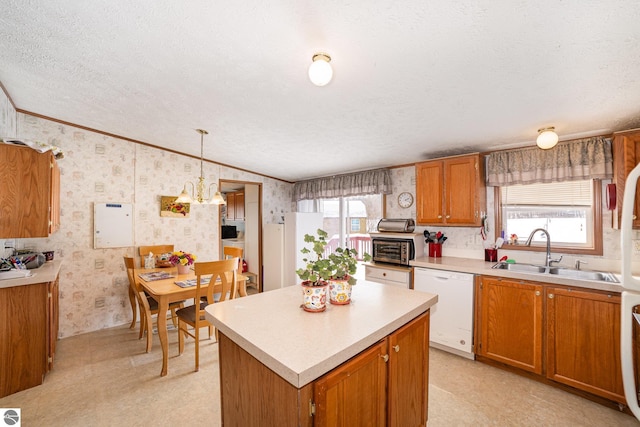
(339, 265)
(183, 258)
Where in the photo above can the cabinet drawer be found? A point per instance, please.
(388, 276)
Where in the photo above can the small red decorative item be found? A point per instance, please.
(245, 267)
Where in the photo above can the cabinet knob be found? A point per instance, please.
(537, 293)
(384, 274)
(440, 217)
(396, 348)
(385, 357)
(550, 296)
(448, 216)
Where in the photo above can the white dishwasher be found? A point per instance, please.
(452, 316)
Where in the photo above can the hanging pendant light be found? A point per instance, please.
(199, 197)
(320, 71)
(547, 138)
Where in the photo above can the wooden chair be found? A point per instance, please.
(144, 251)
(236, 252)
(147, 305)
(225, 272)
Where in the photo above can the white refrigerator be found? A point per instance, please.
(281, 248)
(630, 294)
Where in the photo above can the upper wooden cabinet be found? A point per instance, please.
(30, 193)
(235, 206)
(451, 191)
(626, 155)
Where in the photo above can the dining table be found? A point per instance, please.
(165, 291)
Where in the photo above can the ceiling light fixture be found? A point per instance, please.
(320, 71)
(199, 197)
(547, 138)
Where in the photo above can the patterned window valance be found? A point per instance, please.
(589, 158)
(377, 181)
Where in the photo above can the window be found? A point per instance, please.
(570, 211)
(348, 219)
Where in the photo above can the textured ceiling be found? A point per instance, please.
(413, 79)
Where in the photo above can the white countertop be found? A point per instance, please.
(477, 266)
(45, 273)
(301, 346)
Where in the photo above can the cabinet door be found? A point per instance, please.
(54, 200)
(53, 321)
(354, 394)
(429, 192)
(510, 319)
(583, 341)
(231, 206)
(25, 192)
(409, 374)
(626, 155)
(461, 190)
(240, 206)
(23, 337)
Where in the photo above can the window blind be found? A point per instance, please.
(564, 193)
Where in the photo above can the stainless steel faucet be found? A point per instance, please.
(548, 261)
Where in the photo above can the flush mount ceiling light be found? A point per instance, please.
(547, 138)
(320, 71)
(199, 197)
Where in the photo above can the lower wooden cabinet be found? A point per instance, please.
(511, 322)
(386, 384)
(28, 333)
(583, 341)
(567, 335)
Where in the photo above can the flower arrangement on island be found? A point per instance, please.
(182, 258)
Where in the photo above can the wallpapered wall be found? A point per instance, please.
(99, 169)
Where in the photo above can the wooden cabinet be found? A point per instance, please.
(354, 393)
(583, 341)
(580, 329)
(235, 206)
(30, 193)
(451, 191)
(28, 332)
(386, 384)
(626, 155)
(510, 322)
(408, 375)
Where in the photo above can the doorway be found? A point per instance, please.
(244, 212)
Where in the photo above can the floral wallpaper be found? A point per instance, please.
(101, 169)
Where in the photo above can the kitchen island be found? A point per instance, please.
(280, 364)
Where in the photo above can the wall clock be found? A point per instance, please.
(405, 200)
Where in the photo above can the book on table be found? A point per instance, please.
(155, 275)
(192, 282)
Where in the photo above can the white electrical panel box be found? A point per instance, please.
(112, 225)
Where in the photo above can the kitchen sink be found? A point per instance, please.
(583, 274)
(564, 272)
(522, 268)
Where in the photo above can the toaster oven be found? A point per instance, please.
(396, 248)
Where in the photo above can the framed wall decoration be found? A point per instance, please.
(169, 208)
